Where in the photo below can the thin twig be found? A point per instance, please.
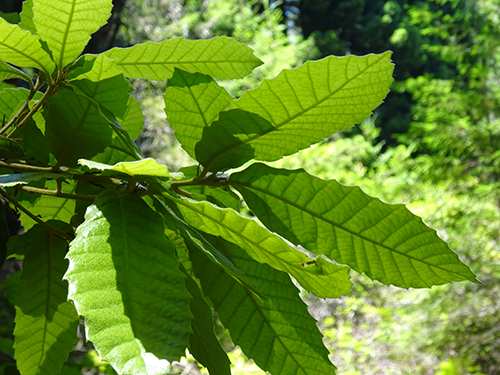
(50, 228)
(55, 193)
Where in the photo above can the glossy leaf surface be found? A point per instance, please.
(145, 167)
(296, 109)
(122, 268)
(220, 57)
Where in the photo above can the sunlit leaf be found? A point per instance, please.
(46, 322)
(27, 17)
(387, 242)
(123, 272)
(101, 80)
(19, 47)
(192, 102)
(8, 72)
(278, 333)
(220, 57)
(133, 120)
(66, 25)
(296, 109)
(9, 100)
(322, 278)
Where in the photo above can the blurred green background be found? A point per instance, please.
(433, 145)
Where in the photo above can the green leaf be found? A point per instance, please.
(123, 271)
(66, 25)
(33, 143)
(140, 168)
(192, 102)
(387, 242)
(18, 246)
(219, 57)
(9, 180)
(75, 129)
(195, 239)
(10, 149)
(115, 153)
(203, 343)
(298, 108)
(10, 17)
(125, 140)
(104, 83)
(19, 47)
(9, 100)
(219, 196)
(4, 234)
(278, 333)
(27, 17)
(320, 277)
(8, 72)
(51, 208)
(46, 322)
(133, 119)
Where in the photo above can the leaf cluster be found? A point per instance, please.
(146, 255)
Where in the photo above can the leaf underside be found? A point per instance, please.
(123, 272)
(66, 25)
(219, 57)
(387, 242)
(46, 322)
(19, 47)
(192, 102)
(295, 110)
(279, 333)
(322, 278)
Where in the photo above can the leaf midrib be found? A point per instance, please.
(37, 63)
(268, 322)
(315, 215)
(66, 33)
(284, 266)
(177, 62)
(298, 114)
